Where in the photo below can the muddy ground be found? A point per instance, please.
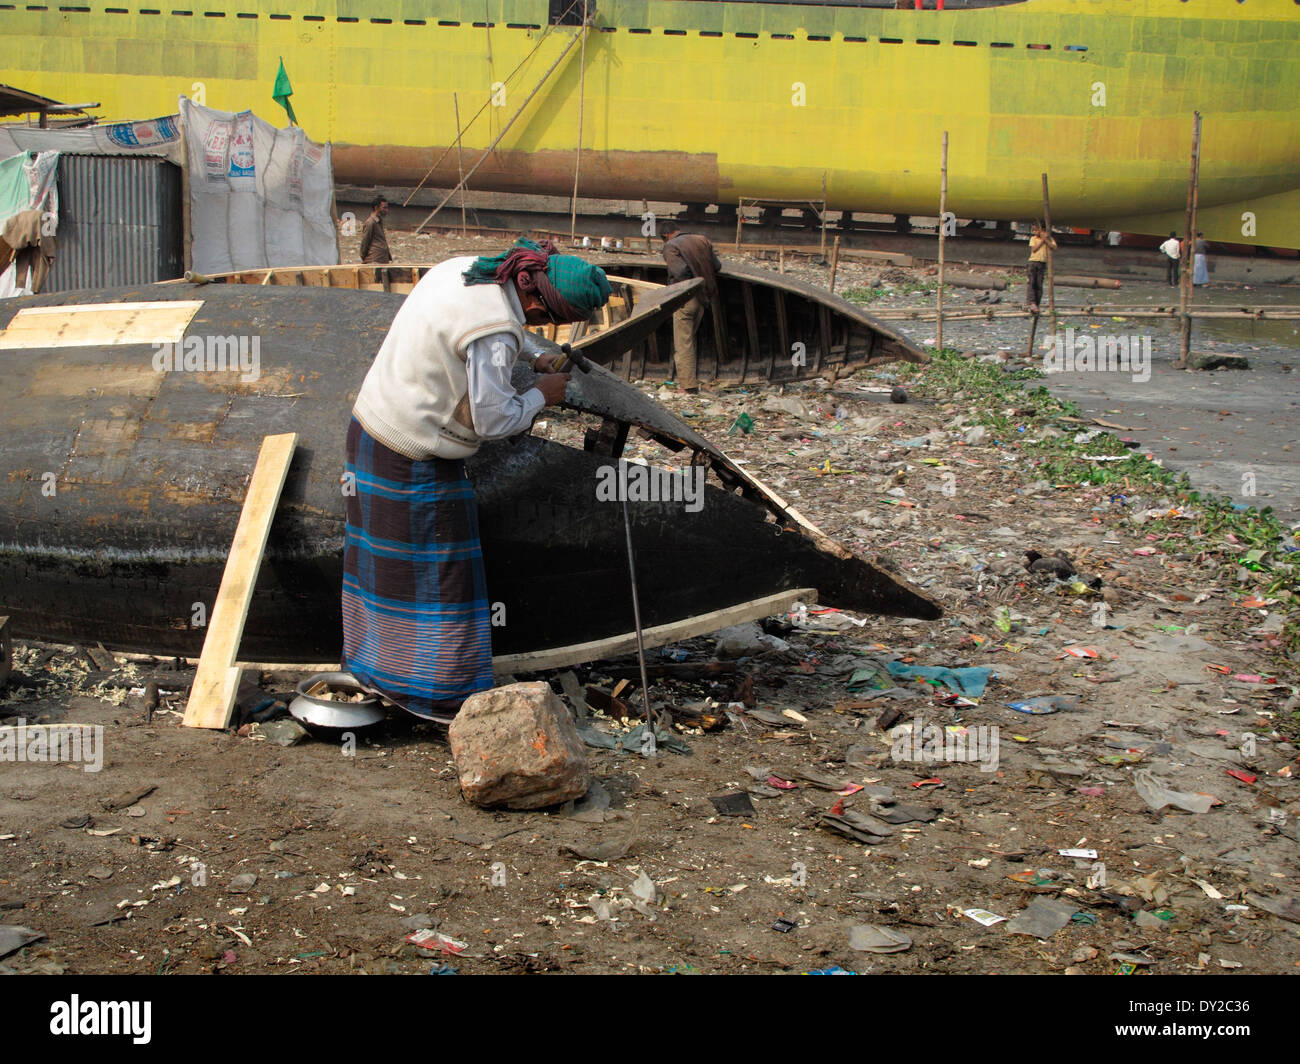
(353, 850)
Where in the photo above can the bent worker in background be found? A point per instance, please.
(689, 255)
(416, 620)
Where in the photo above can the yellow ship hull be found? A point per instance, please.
(709, 102)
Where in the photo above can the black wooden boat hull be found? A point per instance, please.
(771, 326)
(123, 485)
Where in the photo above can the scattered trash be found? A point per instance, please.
(734, 804)
(868, 938)
(856, 826)
(1043, 705)
(1158, 795)
(983, 916)
(1042, 918)
(14, 937)
(969, 681)
(1286, 908)
(784, 926)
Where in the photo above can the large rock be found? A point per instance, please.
(517, 747)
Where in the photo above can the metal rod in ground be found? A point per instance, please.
(1051, 273)
(1189, 257)
(835, 263)
(943, 225)
(636, 618)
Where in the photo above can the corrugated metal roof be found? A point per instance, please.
(120, 222)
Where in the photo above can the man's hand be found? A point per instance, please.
(552, 386)
(545, 363)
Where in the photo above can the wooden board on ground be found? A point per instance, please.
(213, 695)
(660, 635)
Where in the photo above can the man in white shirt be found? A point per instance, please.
(416, 620)
(1173, 251)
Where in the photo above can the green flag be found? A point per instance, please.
(282, 91)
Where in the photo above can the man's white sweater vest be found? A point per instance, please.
(415, 399)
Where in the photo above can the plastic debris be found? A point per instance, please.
(1043, 705)
(1042, 918)
(868, 938)
(969, 681)
(983, 916)
(1157, 794)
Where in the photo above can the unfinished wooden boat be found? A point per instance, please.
(126, 474)
(770, 327)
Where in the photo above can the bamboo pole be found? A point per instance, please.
(460, 166)
(1251, 314)
(943, 225)
(823, 216)
(1185, 289)
(835, 262)
(577, 157)
(1051, 271)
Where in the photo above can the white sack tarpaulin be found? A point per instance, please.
(153, 136)
(259, 196)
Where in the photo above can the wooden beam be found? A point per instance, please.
(751, 330)
(782, 331)
(6, 651)
(659, 635)
(213, 695)
(613, 646)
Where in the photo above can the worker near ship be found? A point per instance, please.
(1200, 261)
(689, 255)
(1040, 241)
(1172, 249)
(416, 618)
(374, 241)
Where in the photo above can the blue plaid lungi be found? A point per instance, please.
(416, 619)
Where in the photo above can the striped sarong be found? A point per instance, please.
(416, 623)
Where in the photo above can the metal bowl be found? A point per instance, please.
(326, 713)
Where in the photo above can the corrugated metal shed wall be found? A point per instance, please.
(120, 222)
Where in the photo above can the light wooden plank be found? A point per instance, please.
(660, 635)
(99, 325)
(602, 649)
(212, 696)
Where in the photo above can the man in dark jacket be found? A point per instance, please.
(689, 255)
(374, 241)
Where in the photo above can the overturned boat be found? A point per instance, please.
(130, 424)
(768, 326)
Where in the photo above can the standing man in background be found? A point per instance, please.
(1201, 264)
(1173, 251)
(374, 241)
(689, 255)
(1039, 243)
